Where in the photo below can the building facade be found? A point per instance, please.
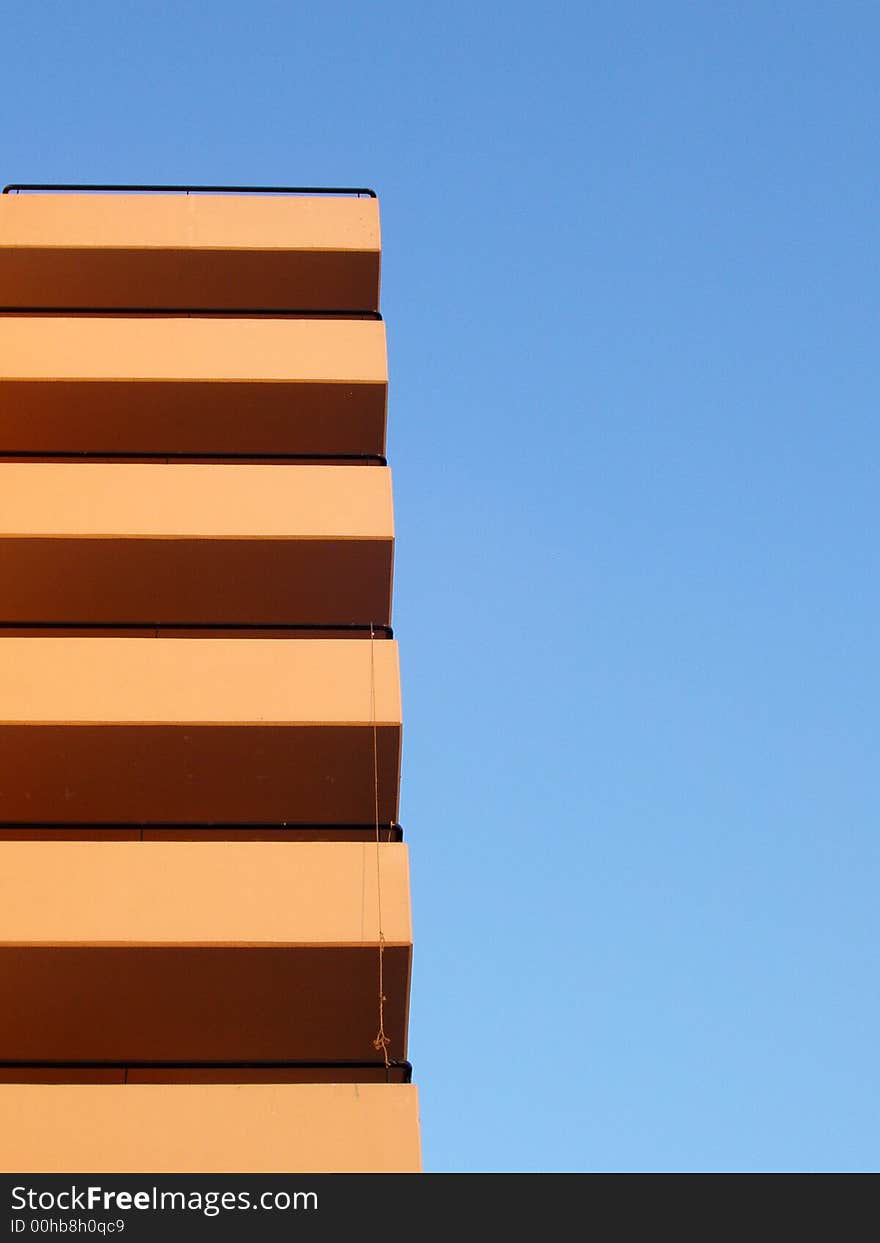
(205, 937)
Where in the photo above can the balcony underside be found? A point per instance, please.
(194, 1003)
(227, 582)
(171, 774)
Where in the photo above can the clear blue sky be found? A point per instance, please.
(631, 284)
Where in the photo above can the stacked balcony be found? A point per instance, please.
(200, 721)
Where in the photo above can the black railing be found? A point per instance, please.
(318, 459)
(392, 832)
(177, 312)
(403, 1069)
(31, 187)
(377, 630)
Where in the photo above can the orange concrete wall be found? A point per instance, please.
(185, 501)
(191, 349)
(223, 730)
(122, 542)
(189, 251)
(180, 893)
(130, 951)
(214, 681)
(257, 1128)
(178, 384)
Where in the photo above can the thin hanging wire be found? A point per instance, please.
(382, 1041)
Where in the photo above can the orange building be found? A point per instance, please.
(205, 937)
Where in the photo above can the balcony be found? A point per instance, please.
(171, 731)
(127, 544)
(174, 251)
(150, 952)
(191, 385)
(214, 1129)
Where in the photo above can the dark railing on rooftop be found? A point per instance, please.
(29, 187)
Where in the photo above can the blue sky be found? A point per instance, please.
(631, 285)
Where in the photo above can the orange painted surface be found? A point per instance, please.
(209, 251)
(181, 893)
(195, 501)
(191, 349)
(216, 1128)
(180, 384)
(119, 951)
(214, 730)
(214, 681)
(109, 543)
